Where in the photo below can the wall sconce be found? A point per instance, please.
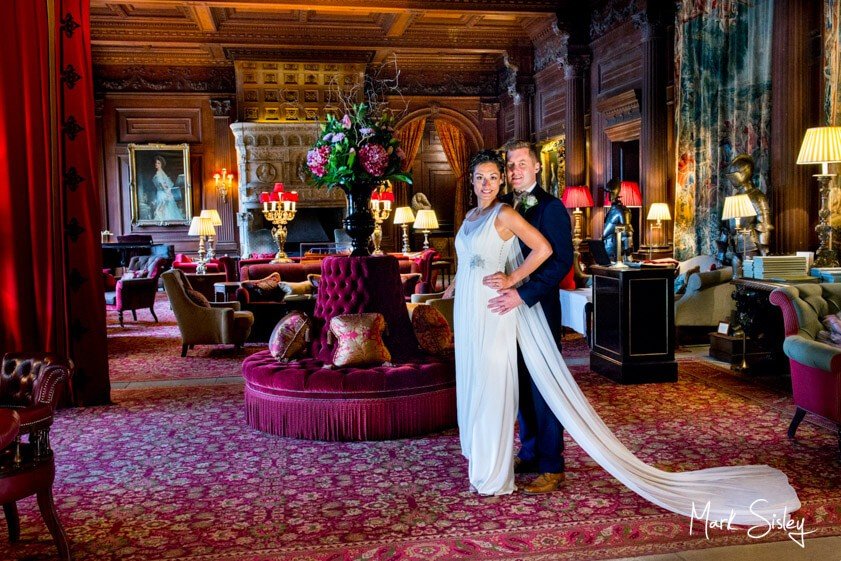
(224, 180)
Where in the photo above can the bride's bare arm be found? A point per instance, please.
(512, 221)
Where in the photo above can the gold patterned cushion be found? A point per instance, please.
(432, 331)
(296, 288)
(359, 339)
(265, 290)
(290, 336)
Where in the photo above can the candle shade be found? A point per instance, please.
(201, 226)
(426, 220)
(577, 196)
(404, 215)
(213, 215)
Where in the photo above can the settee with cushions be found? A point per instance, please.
(311, 398)
(222, 264)
(815, 365)
(706, 298)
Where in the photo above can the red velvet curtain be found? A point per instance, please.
(50, 258)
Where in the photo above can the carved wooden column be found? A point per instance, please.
(653, 149)
(523, 111)
(575, 72)
(223, 158)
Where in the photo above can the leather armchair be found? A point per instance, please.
(132, 294)
(220, 324)
(32, 384)
(815, 366)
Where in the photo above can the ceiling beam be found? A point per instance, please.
(203, 16)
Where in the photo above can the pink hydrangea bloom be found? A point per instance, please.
(317, 160)
(374, 159)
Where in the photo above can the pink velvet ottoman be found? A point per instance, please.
(305, 399)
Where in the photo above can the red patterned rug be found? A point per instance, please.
(145, 351)
(175, 474)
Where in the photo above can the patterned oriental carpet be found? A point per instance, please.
(177, 475)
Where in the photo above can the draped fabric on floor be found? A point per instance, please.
(722, 109)
(49, 204)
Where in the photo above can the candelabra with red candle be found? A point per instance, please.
(279, 209)
(380, 209)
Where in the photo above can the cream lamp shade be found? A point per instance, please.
(738, 207)
(213, 214)
(821, 145)
(426, 220)
(200, 226)
(404, 215)
(659, 212)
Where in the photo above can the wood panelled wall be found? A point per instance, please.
(167, 119)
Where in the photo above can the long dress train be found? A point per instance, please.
(486, 372)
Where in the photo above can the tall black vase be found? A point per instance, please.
(359, 223)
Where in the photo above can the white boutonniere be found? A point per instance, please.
(527, 202)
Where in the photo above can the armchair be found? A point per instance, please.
(815, 366)
(32, 384)
(137, 288)
(218, 323)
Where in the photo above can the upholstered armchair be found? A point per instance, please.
(136, 289)
(32, 384)
(23, 474)
(208, 323)
(426, 284)
(815, 366)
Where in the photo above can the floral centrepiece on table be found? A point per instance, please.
(357, 150)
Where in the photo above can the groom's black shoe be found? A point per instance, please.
(521, 466)
(545, 483)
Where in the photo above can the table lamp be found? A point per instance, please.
(658, 212)
(576, 197)
(629, 194)
(203, 228)
(738, 207)
(216, 220)
(822, 145)
(404, 216)
(426, 221)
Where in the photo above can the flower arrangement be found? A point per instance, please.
(358, 149)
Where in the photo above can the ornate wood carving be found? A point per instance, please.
(164, 79)
(614, 13)
(164, 124)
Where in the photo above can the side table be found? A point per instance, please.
(227, 291)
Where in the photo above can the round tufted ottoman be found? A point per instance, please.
(306, 399)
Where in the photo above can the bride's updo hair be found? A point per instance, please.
(485, 156)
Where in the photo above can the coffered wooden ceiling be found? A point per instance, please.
(451, 34)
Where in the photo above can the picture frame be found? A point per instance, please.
(160, 184)
(724, 328)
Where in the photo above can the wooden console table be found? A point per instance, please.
(634, 324)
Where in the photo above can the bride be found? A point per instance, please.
(487, 389)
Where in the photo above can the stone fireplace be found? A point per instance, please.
(268, 153)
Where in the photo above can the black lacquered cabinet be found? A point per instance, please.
(634, 324)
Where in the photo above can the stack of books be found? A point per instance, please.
(747, 269)
(827, 274)
(778, 267)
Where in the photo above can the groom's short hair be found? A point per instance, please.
(516, 144)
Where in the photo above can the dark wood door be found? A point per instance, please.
(434, 178)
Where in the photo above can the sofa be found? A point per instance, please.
(707, 299)
(815, 366)
(310, 398)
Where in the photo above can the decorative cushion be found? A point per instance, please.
(265, 290)
(829, 337)
(359, 339)
(141, 274)
(290, 336)
(296, 288)
(198, 298)
(832, 323)
(568, 282)
(314, 280)
(432, 331)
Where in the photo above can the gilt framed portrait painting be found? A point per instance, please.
(160, 184)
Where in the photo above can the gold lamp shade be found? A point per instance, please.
(821, 145)
(426, 220)
(213, 214)
(404, 215)
(201, 226)
(659, 212)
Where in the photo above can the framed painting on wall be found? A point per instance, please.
(553, 166)
(160, 184)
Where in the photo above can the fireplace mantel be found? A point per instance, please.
(268, 153)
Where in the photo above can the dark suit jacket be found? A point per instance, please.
(551, 219)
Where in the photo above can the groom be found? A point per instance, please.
(541, 434)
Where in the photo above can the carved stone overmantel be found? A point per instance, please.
(270, 153)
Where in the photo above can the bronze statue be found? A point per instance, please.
(740, 175)
(618, 216)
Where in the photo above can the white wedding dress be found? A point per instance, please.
(486, 385)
